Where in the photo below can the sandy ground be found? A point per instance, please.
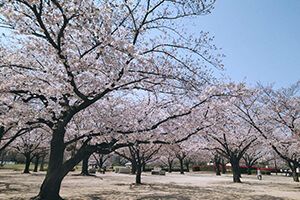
(191, 186)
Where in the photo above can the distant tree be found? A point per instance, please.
(275, 115)
(30, 145)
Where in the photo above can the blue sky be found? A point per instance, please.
(260, 38)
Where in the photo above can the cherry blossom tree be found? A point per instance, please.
(29, 145)
(39, 156)
(101, 159)
(167, 157)
(231, 137)
(64, 56)
(217, 159)
(178, 129)
(275, 115)
(254, 154)
(14, 121)
(139, 155)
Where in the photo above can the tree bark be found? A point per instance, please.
(223, 167)
(51, 185)
(36, 163)
(218, 171)
(235, 170)
(85, 167)
(138, 176)
(100, 162)
(58, 169)
(133, 167)
(275, 163)
(170, 166)
(27, 163)
(217, 162)
(181, 166)
(2, 153)
(295, 174)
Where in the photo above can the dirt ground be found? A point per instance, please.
(191, 186)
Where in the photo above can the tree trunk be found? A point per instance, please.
(170, 166)
(293, 166)
(187, 165)
(42, 163)
(133, 167)
(275, 163)
(218, 170)
(223, 167)
(217, 162)
(100, 162)
(249, 170)
(2, 153)
(138, 176)
(57, 169)
(36, 164)
(51, 185)
(295, 174)
(235, 170)
(85, 167)
(181, 166)
(27, 163)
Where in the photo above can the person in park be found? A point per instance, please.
(259, 176)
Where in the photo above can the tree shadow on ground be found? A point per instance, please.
(266, 197)
(163, 197)
(8, 188)
(94, 197)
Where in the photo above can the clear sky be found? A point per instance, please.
(260, 38)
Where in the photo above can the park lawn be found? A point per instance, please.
(20, 167)
(16, 167)
(191, 186)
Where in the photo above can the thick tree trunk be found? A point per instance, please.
(133, 167)
(57, 169)
(27, 164)
(181, 166)
(85, 167)
(36, 164)
(51, 185)
(235, 170)
(138, 176)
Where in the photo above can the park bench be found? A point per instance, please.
(123, 170)
(158, 171)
